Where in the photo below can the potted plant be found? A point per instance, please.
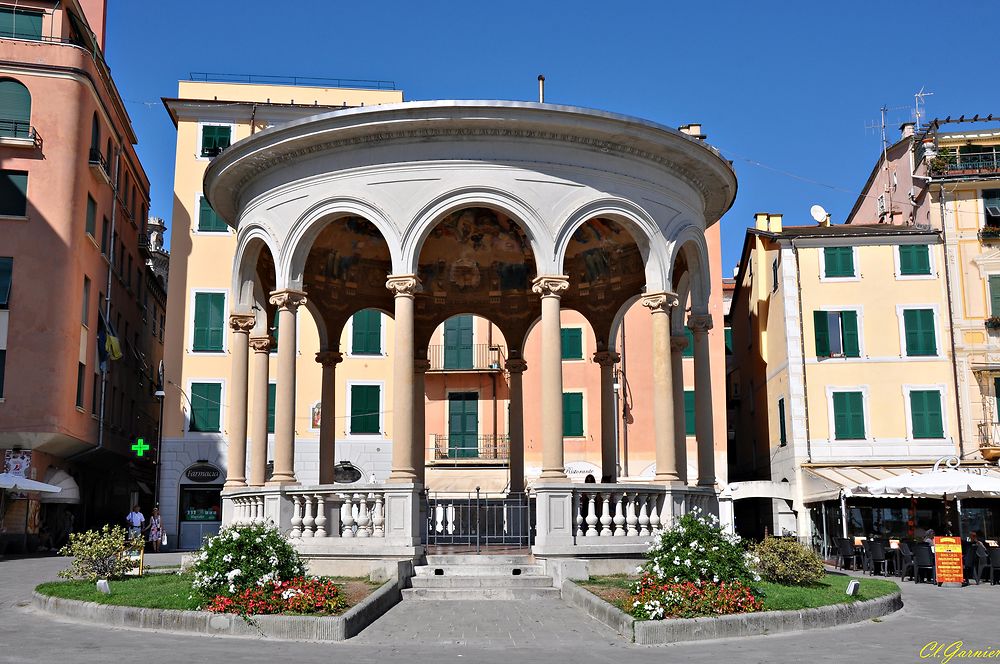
(989, 233)
(993, 323)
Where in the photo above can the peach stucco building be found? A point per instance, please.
(72, 269)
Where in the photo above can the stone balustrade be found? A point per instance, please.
(619, 513)
(331, 513)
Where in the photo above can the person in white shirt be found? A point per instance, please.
(135, 522)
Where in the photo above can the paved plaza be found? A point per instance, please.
(501, 632)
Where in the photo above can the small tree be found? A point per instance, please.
(787, 562)
(697, 549)
(244, 557)
(99, 554)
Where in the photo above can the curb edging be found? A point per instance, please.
(297, 628)
(659, 632)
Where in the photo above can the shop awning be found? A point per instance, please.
(19, 483)
(464, 481)
(70, 493)
(826, 482)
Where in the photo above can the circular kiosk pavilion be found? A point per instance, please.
(507, 210)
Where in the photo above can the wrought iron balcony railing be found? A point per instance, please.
(986, 162)
(21, 130)
(477, 357)
(485, 447)
(97, 160)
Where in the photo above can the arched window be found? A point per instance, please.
(107, 153)
(95, 134)
(15, 109)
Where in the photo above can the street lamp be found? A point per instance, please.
(159, 394)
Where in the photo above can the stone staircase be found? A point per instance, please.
(475, 577)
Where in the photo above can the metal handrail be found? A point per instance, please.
(494, 447)
(481, 357)
(978, 162)
(310, 81)
(19, 129)
(96, 158)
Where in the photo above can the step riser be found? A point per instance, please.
(482, 582)
(466, 559)
(481, 593)
(480, 570)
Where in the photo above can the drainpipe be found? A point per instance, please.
(951, 319)
(802, 342)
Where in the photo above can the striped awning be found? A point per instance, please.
(826, 482)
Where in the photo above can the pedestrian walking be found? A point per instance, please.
(135, 522)
(155, 529)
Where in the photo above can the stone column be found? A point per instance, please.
(515, 424)
(660, 305)
(420, 367)
(258, 429)
(609, 467)
(677, 346)
(329, 359)
(236, 457)
(288, 301)
(549, 287)
(404, 461)
(700, 324)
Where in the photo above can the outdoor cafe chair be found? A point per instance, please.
(845, 553)
(923, 559)
(907, 563)
(979, 561)
(994, 566)
(875, 553)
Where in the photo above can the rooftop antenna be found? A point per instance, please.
(885, 167)
(541, 88)
(918, 103)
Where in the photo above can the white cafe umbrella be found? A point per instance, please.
(951, 483)
(18, 483)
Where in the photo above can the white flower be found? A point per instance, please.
(715, 579)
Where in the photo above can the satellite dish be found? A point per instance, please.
(818, 213)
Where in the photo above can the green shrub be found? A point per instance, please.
(696, 548)
(785, 561)
(243, 557)
(97, 554)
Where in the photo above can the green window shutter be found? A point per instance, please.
(729, 340)
(364, 408)
(782, 433)
(458, 347)
(821, 323)
(21, 24)
(572, 414)
(272, 389)
(208, 220)
(995, 294)
(914, 259)
(206, 406)
(689, 349)
(366, 337)
(91, 217)
(572, 343)
(13, 193)
(214, 138)
(839, 261)
(209, 321)
(918, 325)
(849, 333)
(6, 279)
(689, 428)
(925, 411)
(15, 110)
(848, 415)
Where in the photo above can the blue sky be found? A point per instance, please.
(785, 93)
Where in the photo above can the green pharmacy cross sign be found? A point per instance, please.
(140, 447)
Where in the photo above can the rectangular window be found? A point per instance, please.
(6, 279)
(689, 412)
(365, 408)
(94, 394)
(839, 262)
(209, 322)
(206, 407)
(728, 332)
(458, 346)
(572, 414)
(689, 349)
(91, 217)
(86, 301)
(991, 206)
(271, 389)
(366, 332)
(918, 325)
(995, 294)
(104, 236)
(848, 416)
(782, 433)
(914, 259)
(208, 221)
(774, 276)
(3, 363)
(925, 412)
(214, 139)
(81, 374)
(13, 193)
(20, 24)
(572, 343)
(837, 334)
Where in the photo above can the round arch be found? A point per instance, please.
(305, 230)
(17, 107)
(689, 240)
(643, 229)
(252, 240)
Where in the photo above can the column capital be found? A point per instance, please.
(700, 323)
(329, 358)
(288, 299)
(607, 358)
(403, 285)
(678, 344)
(261, 344)
(516, 365)
(550, 285)
(663, 301)
(421, 366)
(242, 322)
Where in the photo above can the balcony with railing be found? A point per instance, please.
(989, 440)
(99, 164)
(966, 163)
(470, 448)
(18, 132)
(477, 357)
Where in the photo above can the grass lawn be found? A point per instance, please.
(615, 589)
(170, 591)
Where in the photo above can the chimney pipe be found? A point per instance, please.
(541, 88)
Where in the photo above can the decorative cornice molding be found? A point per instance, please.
(242, 322)
(607, 358)
(261, 344)
(288, 299)
(403, 285)
(550, 285)
(516, 365)
(660, 302)
(700, 323)
(329, 358)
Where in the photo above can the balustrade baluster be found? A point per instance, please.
(631, 518)
(619, 515)
(654, 514)
(578, 503)
(378, 517)
(364, 519)
(320, 515)
(347, 516)
(296, 518)
(308, 521)
(591, 515)
(605, 514)
(643, 499)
